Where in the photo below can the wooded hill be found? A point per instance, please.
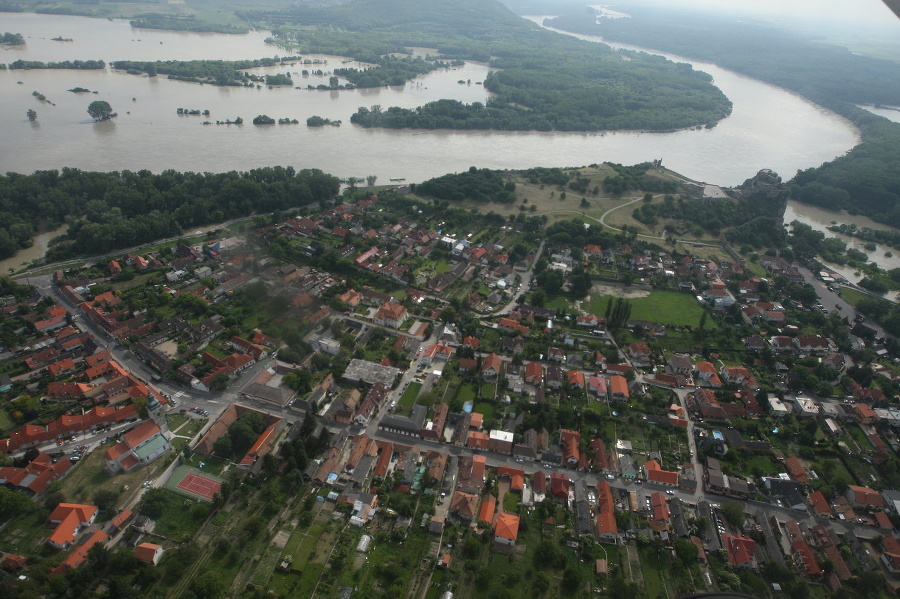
(548, 81)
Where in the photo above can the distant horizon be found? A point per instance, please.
(871, 12)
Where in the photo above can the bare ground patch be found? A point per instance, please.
(614, 290)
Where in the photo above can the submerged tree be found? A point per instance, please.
(100, 110)
(32, 115)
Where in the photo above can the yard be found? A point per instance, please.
(408, 399)
(89, 477)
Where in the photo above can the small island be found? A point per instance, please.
(59, 38)
(317, 121)
(79, 90)
(192, 111)
(12, 39)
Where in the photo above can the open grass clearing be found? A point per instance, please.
(89, 477)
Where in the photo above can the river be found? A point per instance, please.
(770, 128)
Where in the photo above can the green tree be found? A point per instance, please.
(219, 382)
(32, 115)
(100, 110)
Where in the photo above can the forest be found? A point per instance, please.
(481, 185)
(548, 82)
(867, 179)
(107, 211)
(184, 23)
(213, 72)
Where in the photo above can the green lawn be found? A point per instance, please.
(667, 307)
(408, 399)
(6, 422)
(511, 503)
(466, 393)
(485, 408)
(488, 391)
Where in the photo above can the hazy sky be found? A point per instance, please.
(872, 11)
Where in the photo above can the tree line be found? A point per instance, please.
(107, 211)
(84, 65)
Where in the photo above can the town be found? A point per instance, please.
(388, 395)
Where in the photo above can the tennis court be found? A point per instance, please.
(190, 481)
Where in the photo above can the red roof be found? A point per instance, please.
(488, 505)
(741, 550)
(141, 433)
(819, 503)
(145, 552)
(507, 526)
(559, 485)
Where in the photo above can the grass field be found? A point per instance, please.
(408, 399)
(6, 422)
(667, 307)
(466, 393)
(484, 408)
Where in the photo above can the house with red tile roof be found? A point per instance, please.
(559, 486)
(819, 504)
(863, 497)
(569, 440)
(618, 388)
(805, 559)
(656, 474)
(607, 529)
(891, 555)
(488, 506)
(391, 315)
(70, 518)
(659, 509)
(80, 554)
(534, 373)
(36, 476)
(741, 551)
(490, 367)
(796, 470)
(148, 553)
(575, 379)
(464, 506)
(641, 354)
(506, 530)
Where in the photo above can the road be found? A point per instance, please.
(832, 302)
(525, 283)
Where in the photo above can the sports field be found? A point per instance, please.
(195, 483)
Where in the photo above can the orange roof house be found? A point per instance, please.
(819, 504)
(506, 529)
(488, 506)
(69, 519)
(796, 470)
(618, 386)
(148, 553)
(656, 474)
(80, 555)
